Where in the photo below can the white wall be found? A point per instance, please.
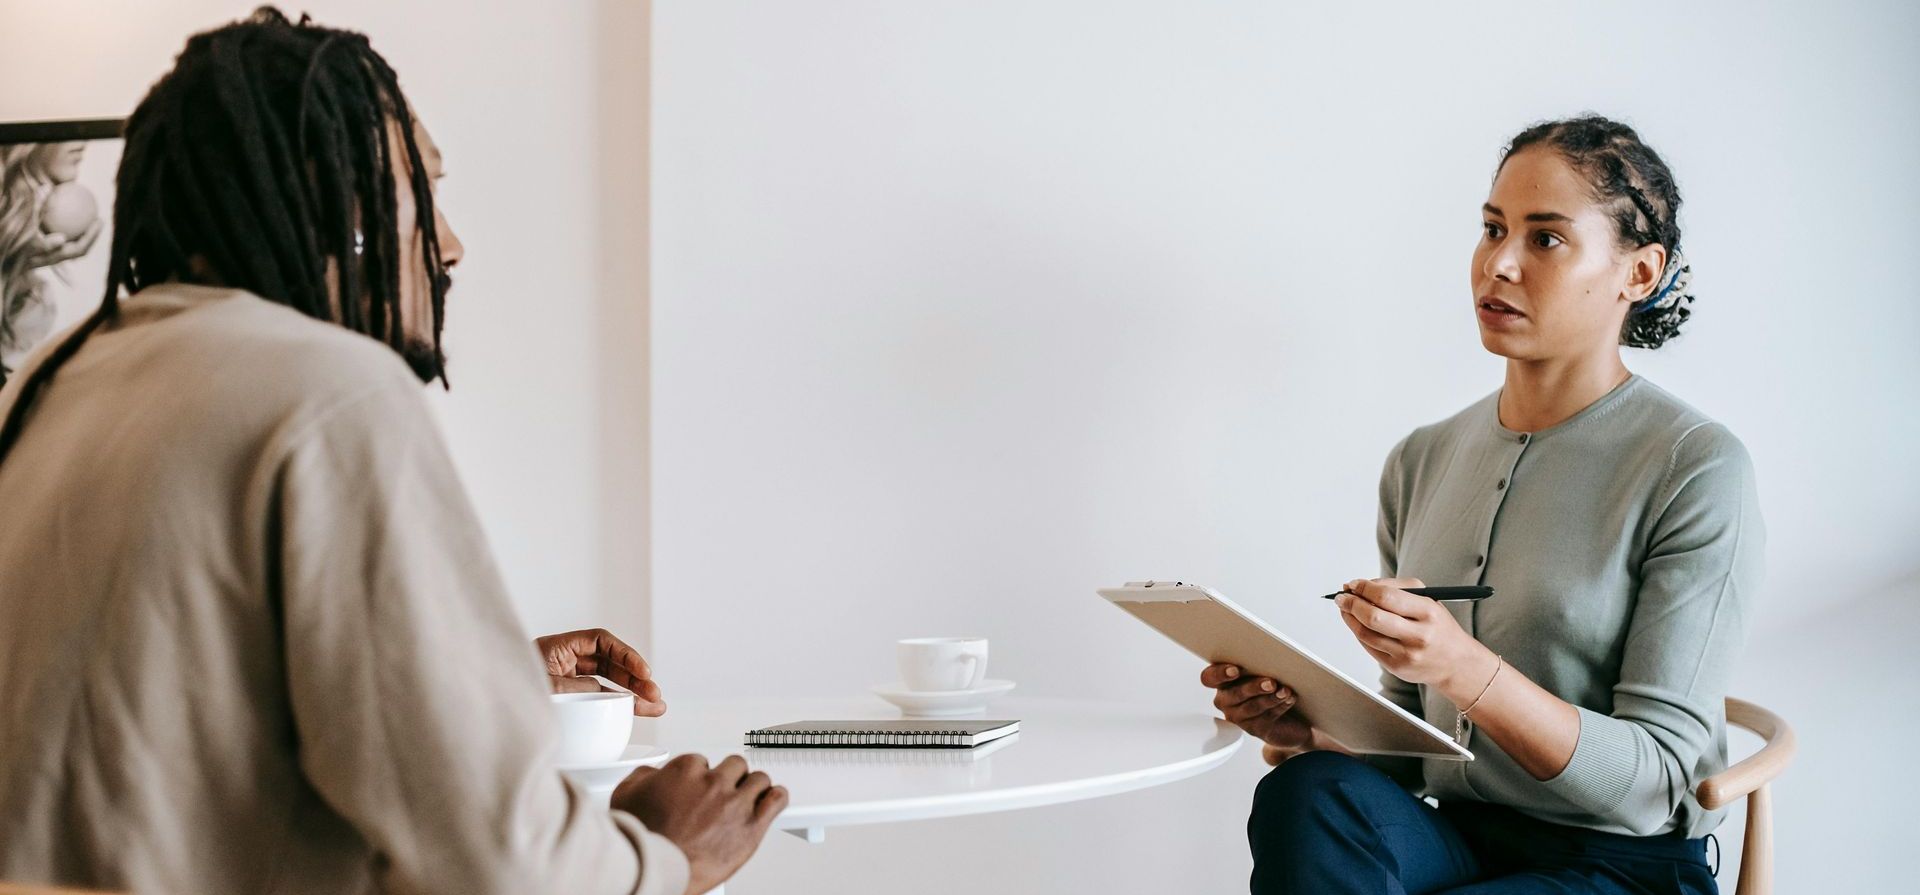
(512, 98)
(964, 309)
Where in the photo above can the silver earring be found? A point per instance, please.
(359, 242)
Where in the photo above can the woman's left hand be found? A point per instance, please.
(1413, 637)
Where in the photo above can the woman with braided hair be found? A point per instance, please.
(1621, 530)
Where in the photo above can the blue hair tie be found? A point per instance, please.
(1679, 266)
(1654, 302)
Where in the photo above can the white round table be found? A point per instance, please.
(1066, 750)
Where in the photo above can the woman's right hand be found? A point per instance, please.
(1259, 706)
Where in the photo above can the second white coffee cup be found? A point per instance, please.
(942, 663)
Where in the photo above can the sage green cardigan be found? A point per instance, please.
(1625, 545)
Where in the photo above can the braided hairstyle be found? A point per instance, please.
(1626, 175)
(263, 157)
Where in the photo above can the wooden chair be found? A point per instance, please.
(1748, 777)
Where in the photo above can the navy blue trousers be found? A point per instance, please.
(1324, 823)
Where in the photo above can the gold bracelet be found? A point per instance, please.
(1501, 663)
(1460, 720)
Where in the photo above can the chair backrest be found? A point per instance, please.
(1750, 777)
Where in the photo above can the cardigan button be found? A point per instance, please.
(1479, 560)
(1502, 486)
(1524, 436)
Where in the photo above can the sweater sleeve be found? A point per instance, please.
(1702, 567)
(1404, 770)
(420, 709)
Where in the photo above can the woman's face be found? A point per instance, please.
(1549, 277)
(61, 161)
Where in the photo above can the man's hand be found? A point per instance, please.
(1259, 706)
(572, 656)
(716, 816)
(1414, 638)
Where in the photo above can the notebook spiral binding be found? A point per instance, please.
(896, 738)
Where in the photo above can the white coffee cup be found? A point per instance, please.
(594, 727)
(942, 663)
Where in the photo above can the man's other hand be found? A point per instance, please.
(572, 656)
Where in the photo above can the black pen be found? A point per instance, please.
(1474, 592)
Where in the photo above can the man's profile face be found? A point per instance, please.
(416, 287)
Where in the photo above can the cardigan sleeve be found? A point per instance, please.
(1702, 566)
(422, 714)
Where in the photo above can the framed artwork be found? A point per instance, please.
(56, 206)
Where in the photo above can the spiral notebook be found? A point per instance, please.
(777, 760)
(907, 734)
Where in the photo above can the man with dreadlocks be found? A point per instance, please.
(251, 639)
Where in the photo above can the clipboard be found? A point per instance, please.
(1215, 629)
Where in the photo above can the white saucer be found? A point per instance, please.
(942, 703)
(610, 773)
